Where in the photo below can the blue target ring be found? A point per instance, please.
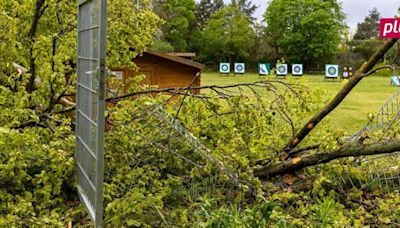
(224, 68)
(332, 70)
(282, 69)
(239, 68)
(297, 69)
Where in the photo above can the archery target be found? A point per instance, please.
(239, 68)
(297, 69)
(332, 71)
(347, 72)
(264, 69)
(224, 68)
(281, 69)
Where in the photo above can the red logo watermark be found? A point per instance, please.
(390, 28)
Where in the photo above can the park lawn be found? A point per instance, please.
(351, 115)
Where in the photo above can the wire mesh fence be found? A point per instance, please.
(157, 132)
(380, 172)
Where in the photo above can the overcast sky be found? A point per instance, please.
(356, 10)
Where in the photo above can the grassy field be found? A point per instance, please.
(351, 115)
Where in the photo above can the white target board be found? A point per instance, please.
(297, 70)
(331, 71)
(224, 68)
(264, 69)
(240, 68)
(281, 69)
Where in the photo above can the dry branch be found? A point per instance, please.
(174, 90)
(179, 90)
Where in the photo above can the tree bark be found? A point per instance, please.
(314, 121)
(39, 10)
(350, 150)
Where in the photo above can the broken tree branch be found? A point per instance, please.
(295, 152)
(173, 90)
(270, 85)
(354, 149)
(318, 117)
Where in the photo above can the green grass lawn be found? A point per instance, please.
(351, 115)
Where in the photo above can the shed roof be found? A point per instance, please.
(183, 54)
(176, 59)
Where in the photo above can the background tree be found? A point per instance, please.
(307, 31)
(365, 41)
(365, 47)
(204, 10)
(369, 28)
(179, 16)
(262, 51)
(247, 7)
(189, 29)
(228, 35)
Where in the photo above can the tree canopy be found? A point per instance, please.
(204, 10)
(210, 28)
(179, 17)
(369, 28)
(228, 36)
(247, 7)
(305, 31)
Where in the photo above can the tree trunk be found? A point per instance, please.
(350, 150)
(39, 10)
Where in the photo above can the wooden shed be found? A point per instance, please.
(163, 70)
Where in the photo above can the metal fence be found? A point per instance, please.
(90, 105)
(384, 119)
(380, 171)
